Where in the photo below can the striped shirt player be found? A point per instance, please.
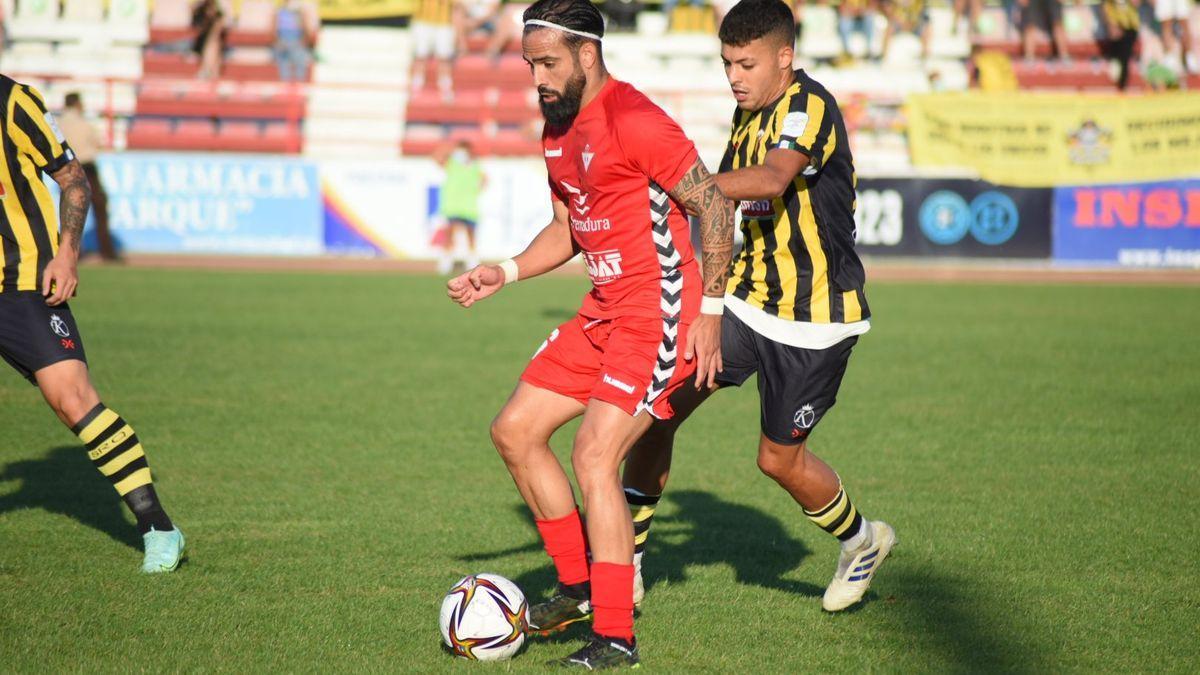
(38, 334)
(795, 302)
(622, 177)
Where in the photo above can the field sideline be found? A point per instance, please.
(322, 440)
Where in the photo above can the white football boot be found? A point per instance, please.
(639, 590)
(857, 567)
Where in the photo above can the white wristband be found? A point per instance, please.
(510, 271)
(712, 305)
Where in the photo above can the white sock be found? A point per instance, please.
(861, 539)
(637, 562)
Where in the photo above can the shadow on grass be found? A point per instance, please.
(947, 616)
(66, 483)
(704, 530)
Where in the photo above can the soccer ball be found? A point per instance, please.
(483, 618)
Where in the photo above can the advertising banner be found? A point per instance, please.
(216, 204)
(344, 10)
(1136, 225)
(390, 208)
(951, 217)
(1035, 139)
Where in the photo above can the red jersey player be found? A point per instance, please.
(623, 177)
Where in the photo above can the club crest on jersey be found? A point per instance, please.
(758, 210)
(59, 326)
(603, 266)
(587, 156)
(805, 417)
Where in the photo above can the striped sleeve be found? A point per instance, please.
(36, 133)
(803, 126)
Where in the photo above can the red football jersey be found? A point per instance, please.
(613, 168)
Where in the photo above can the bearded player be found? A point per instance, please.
(795, 304)
(623, 177)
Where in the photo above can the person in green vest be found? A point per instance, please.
(459, 202)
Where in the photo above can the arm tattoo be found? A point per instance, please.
(698, 192)
(73, 206)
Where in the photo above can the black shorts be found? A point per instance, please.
(34, 335)
(796, 386)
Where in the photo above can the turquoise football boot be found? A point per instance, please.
(164, 550)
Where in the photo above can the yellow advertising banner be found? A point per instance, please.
(343, 10)
(1043, 140)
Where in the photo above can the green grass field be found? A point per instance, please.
(322, 440)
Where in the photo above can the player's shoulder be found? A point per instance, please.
(626, 103)
(804, 85)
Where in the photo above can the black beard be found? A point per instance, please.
(561, 113)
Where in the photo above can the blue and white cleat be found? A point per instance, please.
(856, 569)
(164, 550)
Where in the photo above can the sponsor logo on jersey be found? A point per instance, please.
(555, 152)
(603, 266)
(758, 210)
(794, 123)
(579, 206)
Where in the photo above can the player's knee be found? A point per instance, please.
(778, 461)
(593, 458)
(72, 402)
(513, 434)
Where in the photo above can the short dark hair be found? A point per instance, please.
(580, 15)
(73, 100)
(750, 20)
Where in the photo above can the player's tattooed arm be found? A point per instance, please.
(698, 193)
(73, 206)
(60, 278)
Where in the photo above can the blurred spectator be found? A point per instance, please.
(621, 14)
(486, 17)
(686, 16)
(1047, 13)
(293, 40)
(85, 141)
(208, 20)
(458, 204)
(856, 16)
(1121, 23)
(433, 43)
(969, 10)
(797, 15)
(1172, 16)
(907, 16)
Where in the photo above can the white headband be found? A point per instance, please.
(548, 24)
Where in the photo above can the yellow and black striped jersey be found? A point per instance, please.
(434, 11)
(798, 260)
(32, 145)
(1122, 13)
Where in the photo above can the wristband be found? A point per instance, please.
(510, 271)
(710, 305)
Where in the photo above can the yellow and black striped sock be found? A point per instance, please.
(838, 517)
(641, 507)
(114, 449)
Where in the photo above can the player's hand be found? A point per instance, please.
(59, 280)
(470, 287)
(704, 344)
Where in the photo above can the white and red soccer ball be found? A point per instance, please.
(484, 618)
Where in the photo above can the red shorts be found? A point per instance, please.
(632, 362)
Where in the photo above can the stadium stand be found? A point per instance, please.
(134, 64)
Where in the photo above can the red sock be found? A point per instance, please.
(612, 600)
(567, 546)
